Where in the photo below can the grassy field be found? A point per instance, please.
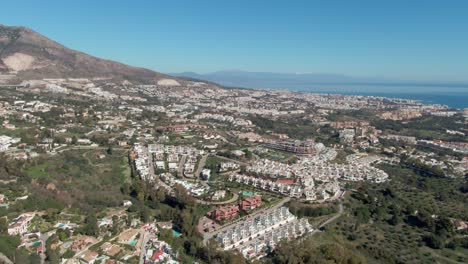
(81, 179)
(38, 171)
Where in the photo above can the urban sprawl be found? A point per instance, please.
(244, 155)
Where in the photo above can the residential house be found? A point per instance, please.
(20, 224)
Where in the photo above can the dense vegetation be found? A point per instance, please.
(301, 210)
(298, 127)
(309, 251)
(425, 127)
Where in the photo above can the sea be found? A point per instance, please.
(452, 95)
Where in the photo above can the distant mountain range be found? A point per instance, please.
(299, 81)
(33, 56)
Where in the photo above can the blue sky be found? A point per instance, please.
(398, 39)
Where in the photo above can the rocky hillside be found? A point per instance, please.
(33, 56)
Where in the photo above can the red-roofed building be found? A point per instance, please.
(250, 203)
(224, 212)
(285, 181)
(157, 254)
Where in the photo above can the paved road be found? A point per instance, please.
(232, 160)
(315, 231)
(233, 199)
(86, 147)
(151, 173)
(145, 239)
(43, 237)
(340, 212)
(210, 235)
(201, 165)
(180, 170)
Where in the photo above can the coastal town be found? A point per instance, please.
(241, 155)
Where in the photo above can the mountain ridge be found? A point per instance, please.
(33, 56)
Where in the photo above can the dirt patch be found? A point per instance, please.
(168, 82)
(19, 61)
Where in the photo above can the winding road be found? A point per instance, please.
(233, 199)
(201, 165)
(233, 160)
(340, 212)
(315, 231)
(180, 169)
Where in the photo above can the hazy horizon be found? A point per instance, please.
(356, 79)
(454, 94)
